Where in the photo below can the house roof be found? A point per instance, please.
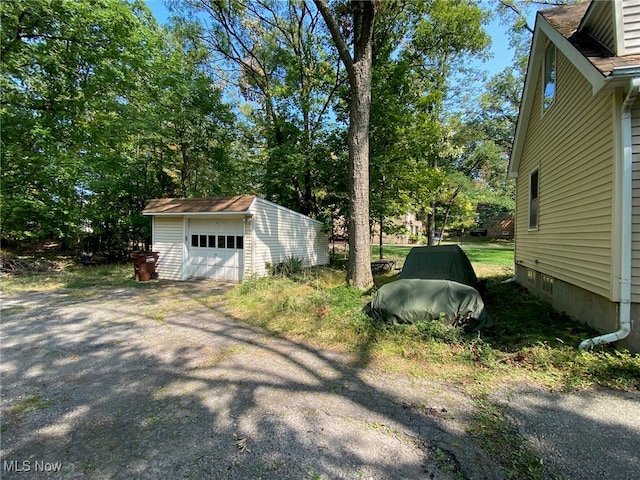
(567, 28)
(235, 204)
(567, 20)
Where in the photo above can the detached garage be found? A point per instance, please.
(230, 238)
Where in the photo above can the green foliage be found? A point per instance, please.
(278, 56)
(67, 71)
(102, 111)
(418, 163)
(291, 266)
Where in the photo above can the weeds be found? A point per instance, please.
(73, 276)
(291, 266)
(493, 431)
(530, 341)
(14, 415)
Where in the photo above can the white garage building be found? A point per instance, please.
(230, 238)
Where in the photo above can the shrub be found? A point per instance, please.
(291, 266)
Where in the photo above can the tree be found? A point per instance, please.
(416, 65)
(359, 70)
(175, 139)
(276, 59)
(101, 111)
(67, 70)
(196, 125)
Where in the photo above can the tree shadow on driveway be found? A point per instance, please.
(131, 385)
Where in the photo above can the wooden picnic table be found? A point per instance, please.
(379, 266)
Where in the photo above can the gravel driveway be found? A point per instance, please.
(152, 383)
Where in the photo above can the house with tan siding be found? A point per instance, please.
(576, 161)
(230, 238)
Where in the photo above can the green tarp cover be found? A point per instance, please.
(417, 300)
(445, 262)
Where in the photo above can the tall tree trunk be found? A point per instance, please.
(382, 210)
(431, 227)
(359, 70)
(359, 271)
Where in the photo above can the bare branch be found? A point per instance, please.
(509, 5)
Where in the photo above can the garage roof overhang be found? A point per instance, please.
(238, 206)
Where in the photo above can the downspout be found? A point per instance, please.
(624, 311)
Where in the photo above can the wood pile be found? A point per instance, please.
(30, 266)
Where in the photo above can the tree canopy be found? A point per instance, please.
(103, 109)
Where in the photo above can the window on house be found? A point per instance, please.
(534, 199)
(549, 81)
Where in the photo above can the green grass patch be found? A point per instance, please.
(530, 341)
(28, 405)
(489, 259)
(14, 415)
(492, 430)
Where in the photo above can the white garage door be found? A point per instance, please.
(216, 249)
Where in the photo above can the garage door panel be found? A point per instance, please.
(216, 249)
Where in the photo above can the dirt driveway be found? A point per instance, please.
(152, 383)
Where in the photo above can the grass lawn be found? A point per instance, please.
(489, 259)
(530, 342)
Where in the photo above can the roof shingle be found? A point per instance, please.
(235, 204)
(566, 20)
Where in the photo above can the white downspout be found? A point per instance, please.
(624, 312)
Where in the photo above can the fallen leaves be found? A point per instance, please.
(241, 443)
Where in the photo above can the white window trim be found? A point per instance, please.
(545, 108)
(529, 199)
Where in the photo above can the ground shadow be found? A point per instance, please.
(106, 387)
(592, 434)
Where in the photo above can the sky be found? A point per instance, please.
(502, 54)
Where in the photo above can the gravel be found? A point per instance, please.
(154, 384)
(148, 383)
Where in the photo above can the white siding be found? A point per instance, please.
(631, 26)
(272, 235)
(168, 242)
(280, 233)
(248, 250)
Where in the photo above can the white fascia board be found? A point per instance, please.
(201, 214)
(542, 31)
(253, 204)
(582, 63)
(526, 101)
